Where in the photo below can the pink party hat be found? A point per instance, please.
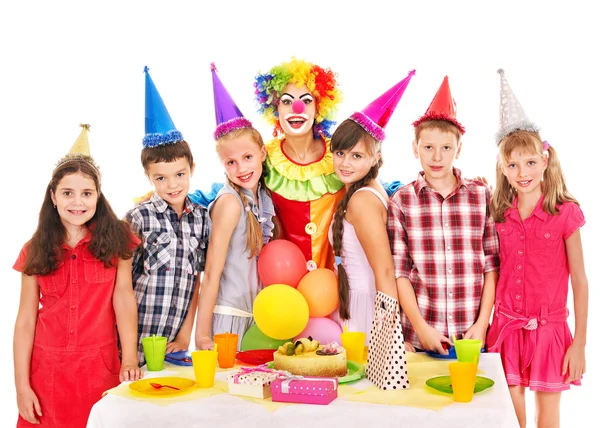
(228, 115)
(442, 107)
(376, 115)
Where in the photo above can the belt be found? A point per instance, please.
(529, 325)
(228, 310)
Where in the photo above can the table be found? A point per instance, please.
(492, 408)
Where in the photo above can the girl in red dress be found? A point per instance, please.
(76, 288)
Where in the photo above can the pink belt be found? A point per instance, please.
(530, 325)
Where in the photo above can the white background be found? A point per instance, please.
(63, 63)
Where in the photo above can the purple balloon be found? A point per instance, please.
(323, 329)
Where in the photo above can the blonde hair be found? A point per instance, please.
(554, 188)
(254, 236)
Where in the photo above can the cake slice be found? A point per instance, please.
(306, 357)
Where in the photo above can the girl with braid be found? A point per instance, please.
(241, 222)
(358, 233)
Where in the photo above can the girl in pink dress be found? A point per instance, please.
(76, 294)
(538, 224)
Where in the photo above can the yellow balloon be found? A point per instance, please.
(280, 311)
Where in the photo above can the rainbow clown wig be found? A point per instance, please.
(321, 82)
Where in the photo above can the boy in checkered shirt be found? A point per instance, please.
(443, 239)
(174, 234)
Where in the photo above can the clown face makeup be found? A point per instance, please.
(296, 110)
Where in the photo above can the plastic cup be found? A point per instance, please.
(205, 367)
(155, 348)
(468, 350)
(462, 376)
(354, 344)
(226, 348)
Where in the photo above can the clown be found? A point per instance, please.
(299, 99)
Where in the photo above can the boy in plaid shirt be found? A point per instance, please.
(173, 230)
(443, 239)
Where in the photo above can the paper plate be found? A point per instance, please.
(451, 354)
(444, 384)
(143, 386)
(255, 356)
(176, 357)
(355, 371)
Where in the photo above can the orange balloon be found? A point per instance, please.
(320, 289)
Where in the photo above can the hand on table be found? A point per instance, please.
(130, 372)
(177, 345)
(204, 343)
(477, 331)
(29, 405)
(409, 347)
(432, 340)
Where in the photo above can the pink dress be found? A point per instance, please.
(529, 327)
(360, 279)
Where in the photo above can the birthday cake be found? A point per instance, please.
(306, 357)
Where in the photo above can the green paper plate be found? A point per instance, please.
(355, 372)
(444, 384)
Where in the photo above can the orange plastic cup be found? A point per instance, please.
(354, 344)
(462, 376)
(205, 367)
(227, 349)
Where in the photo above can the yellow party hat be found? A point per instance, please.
(80, 150)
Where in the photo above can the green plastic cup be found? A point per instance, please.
(155, 348)
(468, 350)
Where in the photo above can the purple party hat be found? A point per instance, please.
(376, 115)
(228, 115)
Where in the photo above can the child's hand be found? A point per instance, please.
(130, 372)
(574, 362)
(409, 347)
(432, 340)
(484, 180)
(178, 345)
(29, 405)
(476, 331)
(204, 343)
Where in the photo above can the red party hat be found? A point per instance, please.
(442, 107)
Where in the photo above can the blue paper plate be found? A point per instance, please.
(177, 358)
(451, 354)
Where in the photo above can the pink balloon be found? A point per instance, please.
(281, 262)
(323, 329)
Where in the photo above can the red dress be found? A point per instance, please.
(75, 356)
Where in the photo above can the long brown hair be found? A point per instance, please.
(554, 187)
(345, 137)
(110, 236)
(254, 236)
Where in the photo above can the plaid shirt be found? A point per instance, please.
(443, 246)
(166, 265)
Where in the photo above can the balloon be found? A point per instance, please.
(256, 339)
(281, 262)
(323, 329)
(320, 289)
(280, 311)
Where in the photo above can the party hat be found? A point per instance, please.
(442, 107)
(376, 115)
(512, 115)
(160, 129)
(80, 150)
(228, 115)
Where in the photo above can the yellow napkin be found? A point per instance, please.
(420, 368)
(123, 390)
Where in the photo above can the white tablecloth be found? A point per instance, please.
(491, 408)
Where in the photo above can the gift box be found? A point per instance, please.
(304, 389)
(252, 382)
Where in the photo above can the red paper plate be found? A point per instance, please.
(256, 356)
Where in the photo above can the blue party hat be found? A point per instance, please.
(228, 115)
(160, 129)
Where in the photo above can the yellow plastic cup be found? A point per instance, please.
(205, 367)
(468, 350)
(354, 344)
(155, 348)
(462, 376)
(227, 349)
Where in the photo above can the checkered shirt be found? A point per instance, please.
(166, 265)
(443, 246)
